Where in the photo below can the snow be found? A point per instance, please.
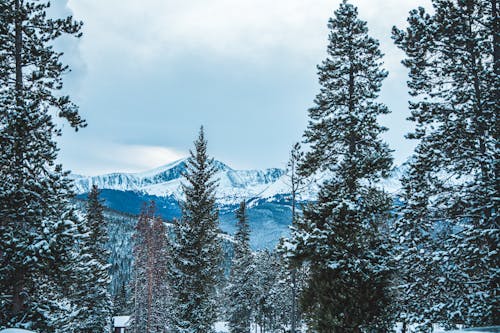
(221, 327)
(121, 321)
(439, 329)
(15, 330)
(234, 185)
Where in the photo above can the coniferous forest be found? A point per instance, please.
(356, 258)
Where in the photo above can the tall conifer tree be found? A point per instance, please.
(453, 56)
(197, 250)
(94, 302)
(340, 235)
(120, 302)
(37, 224)
(240, 291)
(151, 259)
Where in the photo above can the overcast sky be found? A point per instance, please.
(146, 74)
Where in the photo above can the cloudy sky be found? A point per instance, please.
(148, 73)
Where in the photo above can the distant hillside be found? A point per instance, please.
(265, 191)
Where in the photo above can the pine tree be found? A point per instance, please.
(94, 301)
(120, 245)
(240, 288)
(296, 157)
(38, 225)
(341, 235)
(197, 251)
(151, 260)
(141, 240)
(266, 269)
(272, 285)
(161, 251)
(120, 302)
(296, 184)
(453, 56)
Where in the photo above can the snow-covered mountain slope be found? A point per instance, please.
(266, 192)
(234, 185)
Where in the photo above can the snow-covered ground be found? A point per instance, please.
(221, 327)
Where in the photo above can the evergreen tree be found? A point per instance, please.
(266, 269)
(94, 301)
(120, 244)
(272, 285)
(341, 234)
(453, 56)
(296, 184)
(151, 260)
(120, 302)
(240, 288)
(197, 251)
(38, 225)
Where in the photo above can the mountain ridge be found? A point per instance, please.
(234, 185)
(267, 193)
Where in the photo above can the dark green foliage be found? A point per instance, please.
(94, 301)
(38, 226)
(342, 236)
(453, 57)
(240, 291)
(197, 252)
(121, 306)
(265, 277)
(272, 287)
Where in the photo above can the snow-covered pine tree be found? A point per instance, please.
(419, 271)
(37, 222)
(453, 56)
(240, 289)
(272, 285)
(120, 302)
(296, 182)
(94, 302)
(197, 252)
(120, 244)
(266, 269)
(340, 235)
(151, 260)
(161, 252)
(278, 299)
(141, 239)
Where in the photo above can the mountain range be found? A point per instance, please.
(267, 193)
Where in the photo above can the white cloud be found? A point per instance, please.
(93, 158)
(142, 157)
(129, 48)
(148, 30)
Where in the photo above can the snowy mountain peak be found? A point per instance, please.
(234, 185)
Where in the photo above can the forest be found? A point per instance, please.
(356, 259)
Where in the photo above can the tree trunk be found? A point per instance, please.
(351, 137)
(17, 299)
(18, 53)
(294, 300)
(404, 328)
